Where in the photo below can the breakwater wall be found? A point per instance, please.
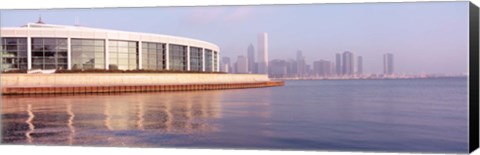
(18, 84)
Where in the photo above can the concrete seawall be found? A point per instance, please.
(17, 84)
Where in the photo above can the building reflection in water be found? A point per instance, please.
(86, 119)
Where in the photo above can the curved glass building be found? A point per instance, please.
(45, 46)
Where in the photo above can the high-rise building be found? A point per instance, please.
(338, 64)
(291, 68)
(262, 59)
(332, 68)
(301, 65)
(359, 65)
(226, 65)
(348, 63)
(242, 64)
(278, 68)
(388, 64)
(322, 68)
(251, 59)
(308, 71)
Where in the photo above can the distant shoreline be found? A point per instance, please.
(403, 78)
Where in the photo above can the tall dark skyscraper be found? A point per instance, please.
(301, 64)
(251, 59)
(338, 64)
(359, 65)
(348, 63)
(388, 64)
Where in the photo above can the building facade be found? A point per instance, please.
(242, 65)
(278, 69)
(251, 59)
(45, 46)
(348, 63)
(338, 64)
(301, 64)
(322, 68)
(262, 59)
(226, 65)
(388, 64)
(359, 65)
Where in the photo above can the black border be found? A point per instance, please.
(474, 78)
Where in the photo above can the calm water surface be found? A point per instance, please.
(419, 115)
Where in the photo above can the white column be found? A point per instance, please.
(140, 55)
(188, 58)
(69, 53)
(218, 61)
(29, 52)
(167, 60)
(203, 59)
(106, 54)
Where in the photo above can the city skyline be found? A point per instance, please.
(351, 65)
(411, 31)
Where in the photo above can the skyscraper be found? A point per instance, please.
(338, 64)
(322, 68)
(291, 68)
(242, 64)
(388, 64)
(301, 65)
(262, 59)
(348, 63)
(278, 68)
(251, 59)
(359, 65)
(226, 65)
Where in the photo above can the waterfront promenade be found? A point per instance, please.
(18, 84)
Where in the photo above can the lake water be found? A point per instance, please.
(414, 115)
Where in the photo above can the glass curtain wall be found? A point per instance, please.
(14, 54)
(122, 55)
(208, 60)
(215, 64)
(196, 59)
(49, 53)
(177, 57)
(88, 53)
(153, 56)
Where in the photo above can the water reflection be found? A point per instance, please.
(74, 119)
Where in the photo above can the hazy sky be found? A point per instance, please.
(424, 37)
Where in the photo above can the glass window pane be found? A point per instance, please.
(75, 42)
(99, 54)
(88, 42)
(123, 50)
(123, 61)
(37, 41)
(122, 56)
(152, 46)
(122, 44)
(22, 41)
(99, 48)
(112, 43)
(100, 43)
(50, 41)
(132, 44)
(37, 54)
(62, 42)
(132, 50)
